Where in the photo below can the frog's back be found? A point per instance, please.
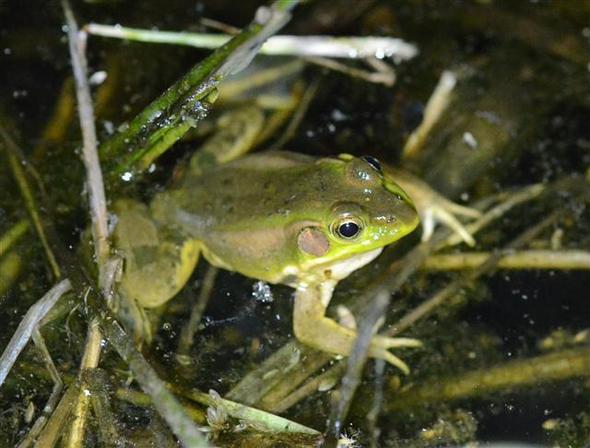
(237, 194)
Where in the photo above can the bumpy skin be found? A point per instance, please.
(275, 217)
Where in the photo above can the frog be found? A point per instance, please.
(281, 217)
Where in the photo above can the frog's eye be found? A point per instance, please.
(374, 163)
(348, 228)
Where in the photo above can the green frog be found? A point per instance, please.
(281, 217)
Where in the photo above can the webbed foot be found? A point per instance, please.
(318, 331)
(440, 209)
(433, 207)
(380, 346)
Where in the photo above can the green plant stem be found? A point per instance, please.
(186, 102)
(248, 414)
(12, 236)
(16, 165)
(10, 267)
(557, 366)
(525, 259)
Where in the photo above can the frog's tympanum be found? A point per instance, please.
(280, 217)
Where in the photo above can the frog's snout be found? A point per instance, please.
(401, 216)
(408, 215)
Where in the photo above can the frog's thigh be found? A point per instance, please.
(156, 265)
(313, 328)
(236, 133)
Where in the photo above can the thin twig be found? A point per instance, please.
(355, 363)
(219, 26)
(524, 195)
(96, 195)
(187, 334)
(350, 47)
(16, 164)
(235, 87)
(436, 105)
(385, 77)
(97, 202)
(53, 399)
(25, 329)
(453, 288)
(297, 116)
(56, 128)
(53, 430)
(97, 381)
(377, 403)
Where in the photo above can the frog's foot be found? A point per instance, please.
(432, 206)
(444, 211)
(318, 331)
(380, 346)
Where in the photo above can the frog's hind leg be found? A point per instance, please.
(158, 263)
(236, 133)
(313, 328)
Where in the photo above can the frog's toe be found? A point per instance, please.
(382, 353)
(452, 222)
(428, 224)
(462, 210)
(380, 346)
(444, 215)
(387, 342)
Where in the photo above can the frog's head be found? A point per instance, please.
(354, 212)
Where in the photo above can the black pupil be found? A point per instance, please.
(348, 229)
(373, 162)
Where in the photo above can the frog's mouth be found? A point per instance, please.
(342, 268)
(324, 268)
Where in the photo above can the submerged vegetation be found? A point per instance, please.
(488, 102)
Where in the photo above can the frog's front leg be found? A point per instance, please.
(158, 262)
(313, 328)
